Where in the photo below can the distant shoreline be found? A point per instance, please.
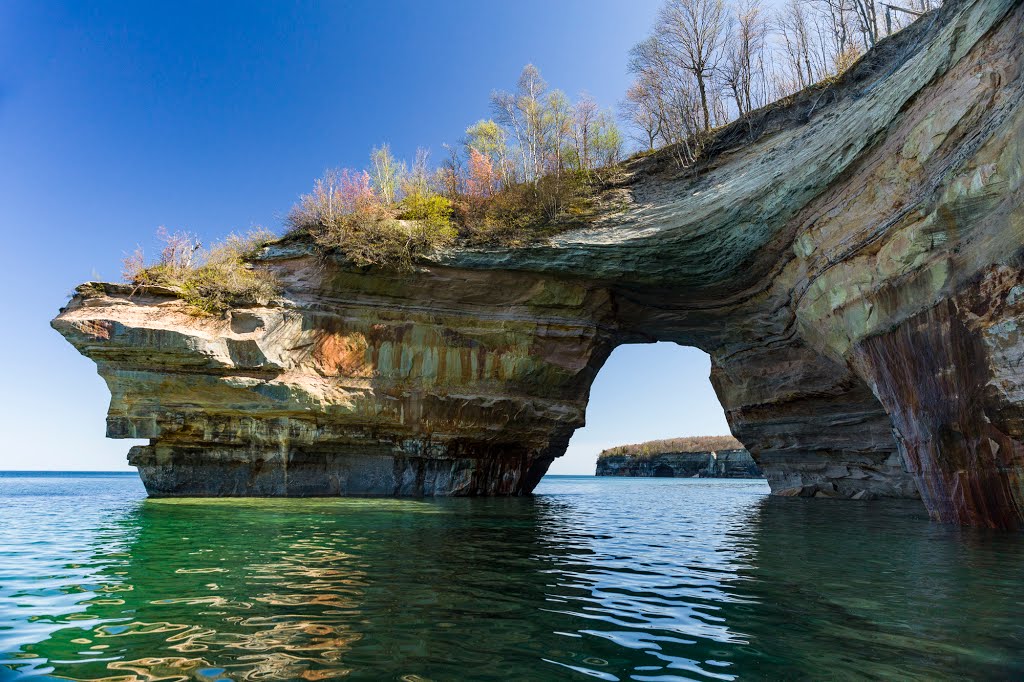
(25, 473)
(48, 472)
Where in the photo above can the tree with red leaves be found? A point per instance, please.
(482, 180)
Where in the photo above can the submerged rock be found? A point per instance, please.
(853, 262)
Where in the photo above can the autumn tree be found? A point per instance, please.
(339, 193)
(482, 180)
(490, 139)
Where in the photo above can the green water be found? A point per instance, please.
(655, 579)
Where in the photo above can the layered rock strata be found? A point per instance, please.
(714, 464)
(853, 262)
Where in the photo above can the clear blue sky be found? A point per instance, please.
(212, 117)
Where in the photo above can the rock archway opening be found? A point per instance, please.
(645, 392)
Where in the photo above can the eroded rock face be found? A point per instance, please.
(441, 382)
(854, 264)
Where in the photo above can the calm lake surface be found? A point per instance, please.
(613, 579)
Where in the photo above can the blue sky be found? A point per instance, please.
(212, 117)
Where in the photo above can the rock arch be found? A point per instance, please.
(852, 262)
(664, 471)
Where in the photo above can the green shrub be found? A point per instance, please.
(433, 212)
(210, 280)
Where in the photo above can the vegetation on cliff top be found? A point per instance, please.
(660, 447)
(526, 174)
(538, 166)
(211, 280)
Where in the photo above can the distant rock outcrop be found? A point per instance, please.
(852, 260)
(711, 464)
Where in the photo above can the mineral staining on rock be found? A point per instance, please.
(354, 384)
(853, 262)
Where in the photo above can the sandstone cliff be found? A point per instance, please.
(712, 464)
(852, 261)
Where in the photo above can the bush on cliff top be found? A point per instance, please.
(393, 217)
(526, 212)
(529, 173)
(344, 213)
(210, 279)
(688, 444)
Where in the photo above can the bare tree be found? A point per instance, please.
(721, 60)
(451, 175)
(836, 17)
(641, 109)
(692, 33)
(673, 96)
(743, 73)
(867, 20)
(584, 119)
(794, 25)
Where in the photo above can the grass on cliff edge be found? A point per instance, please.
(211, 280)
(660, 447)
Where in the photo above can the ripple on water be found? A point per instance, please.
(655, 579)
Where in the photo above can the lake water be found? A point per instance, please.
(613, 579)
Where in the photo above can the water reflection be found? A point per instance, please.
(644, 580)
(855, 591)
